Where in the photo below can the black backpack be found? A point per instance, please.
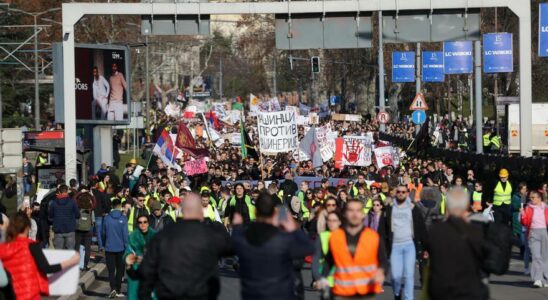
(85, 221)
(497, 247)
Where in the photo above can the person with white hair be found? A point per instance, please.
(455, 253)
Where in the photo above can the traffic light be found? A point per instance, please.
(315, 62)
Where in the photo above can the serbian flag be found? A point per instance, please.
(166, 151)
(213, 119)
(186, 142)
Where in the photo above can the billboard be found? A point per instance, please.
(498, 53)
(543, 30)
(102, 84)
(458, 57)
(432, 66)
(403, 66)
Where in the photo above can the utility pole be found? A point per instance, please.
(274, 80)
(381, 71)
(147, 80)
(36, 85)
(221, 78)
(496, 89)
(418, 78)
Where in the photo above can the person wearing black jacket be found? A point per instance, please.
(182, 259)
(267, 252)
(456, 254)
(102, 208)
(403, 241)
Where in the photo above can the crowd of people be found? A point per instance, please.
(169, 233)
(458, 134)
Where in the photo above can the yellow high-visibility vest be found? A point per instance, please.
(502, 196)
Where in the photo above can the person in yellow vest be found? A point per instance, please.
(502, 199)
(358, 255)
(477, 197)
(137, 210)
(487, 141)
(496, 143)
(334, 221)
(174, 208)
(240, 203)
(210, 212)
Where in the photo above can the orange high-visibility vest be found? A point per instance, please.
(354, 275)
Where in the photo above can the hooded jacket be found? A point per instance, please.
(63, 213)
(115, 232)
(274, 251)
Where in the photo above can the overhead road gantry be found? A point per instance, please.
(73, 12)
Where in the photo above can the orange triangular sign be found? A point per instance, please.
(419, 103)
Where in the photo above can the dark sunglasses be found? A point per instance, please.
(143, 222)
(401, 192)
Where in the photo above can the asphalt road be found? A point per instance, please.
(511, 286)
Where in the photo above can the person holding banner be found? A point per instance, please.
(26, 263)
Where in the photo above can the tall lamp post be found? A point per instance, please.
(35, 15)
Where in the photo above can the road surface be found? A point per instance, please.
(513, 285)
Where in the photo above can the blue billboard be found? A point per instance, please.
(432, 66)
(543, 30)
(498, 53)
(457, 57)
(403, 66)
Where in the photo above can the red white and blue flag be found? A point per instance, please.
(165, 149)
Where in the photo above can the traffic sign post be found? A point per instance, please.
(383, 117)
(419, 117)
(419, 103)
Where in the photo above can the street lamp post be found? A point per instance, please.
(35, 15)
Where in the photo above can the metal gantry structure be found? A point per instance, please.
(73, 12)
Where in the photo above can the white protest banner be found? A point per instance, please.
(253, 104)
(356, 152)
(395, 157)
(48, 176)
(64, 282)
(384, 157)
(327, 146)
(302, 120)
(173, 110)
(310, 146)
(313, 118)
(236, 139)
(293, 108)
(277, 131)
(193, 167)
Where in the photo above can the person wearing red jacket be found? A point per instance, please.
(24, 260)
(535, 218)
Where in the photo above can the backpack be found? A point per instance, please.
(85, 221)
(498, 248)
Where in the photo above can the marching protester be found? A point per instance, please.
(136, 249)
(455, 250)
(267, 250)
(404, 230)
(63, 212)
(358, 256)
(26, 263)
(176, 271)
(115, 234)
(535, 218)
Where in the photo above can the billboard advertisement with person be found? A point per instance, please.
(102, 84)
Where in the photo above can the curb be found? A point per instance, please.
(86, 281)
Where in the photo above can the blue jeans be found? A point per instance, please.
(26, 185)
(402, 262)
(99, 231)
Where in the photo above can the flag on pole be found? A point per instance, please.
(310, 146)
(166, 150)
(247, 147)
(186, 142)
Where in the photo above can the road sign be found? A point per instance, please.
(419, 103)
(419, 117)
(383, 117)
